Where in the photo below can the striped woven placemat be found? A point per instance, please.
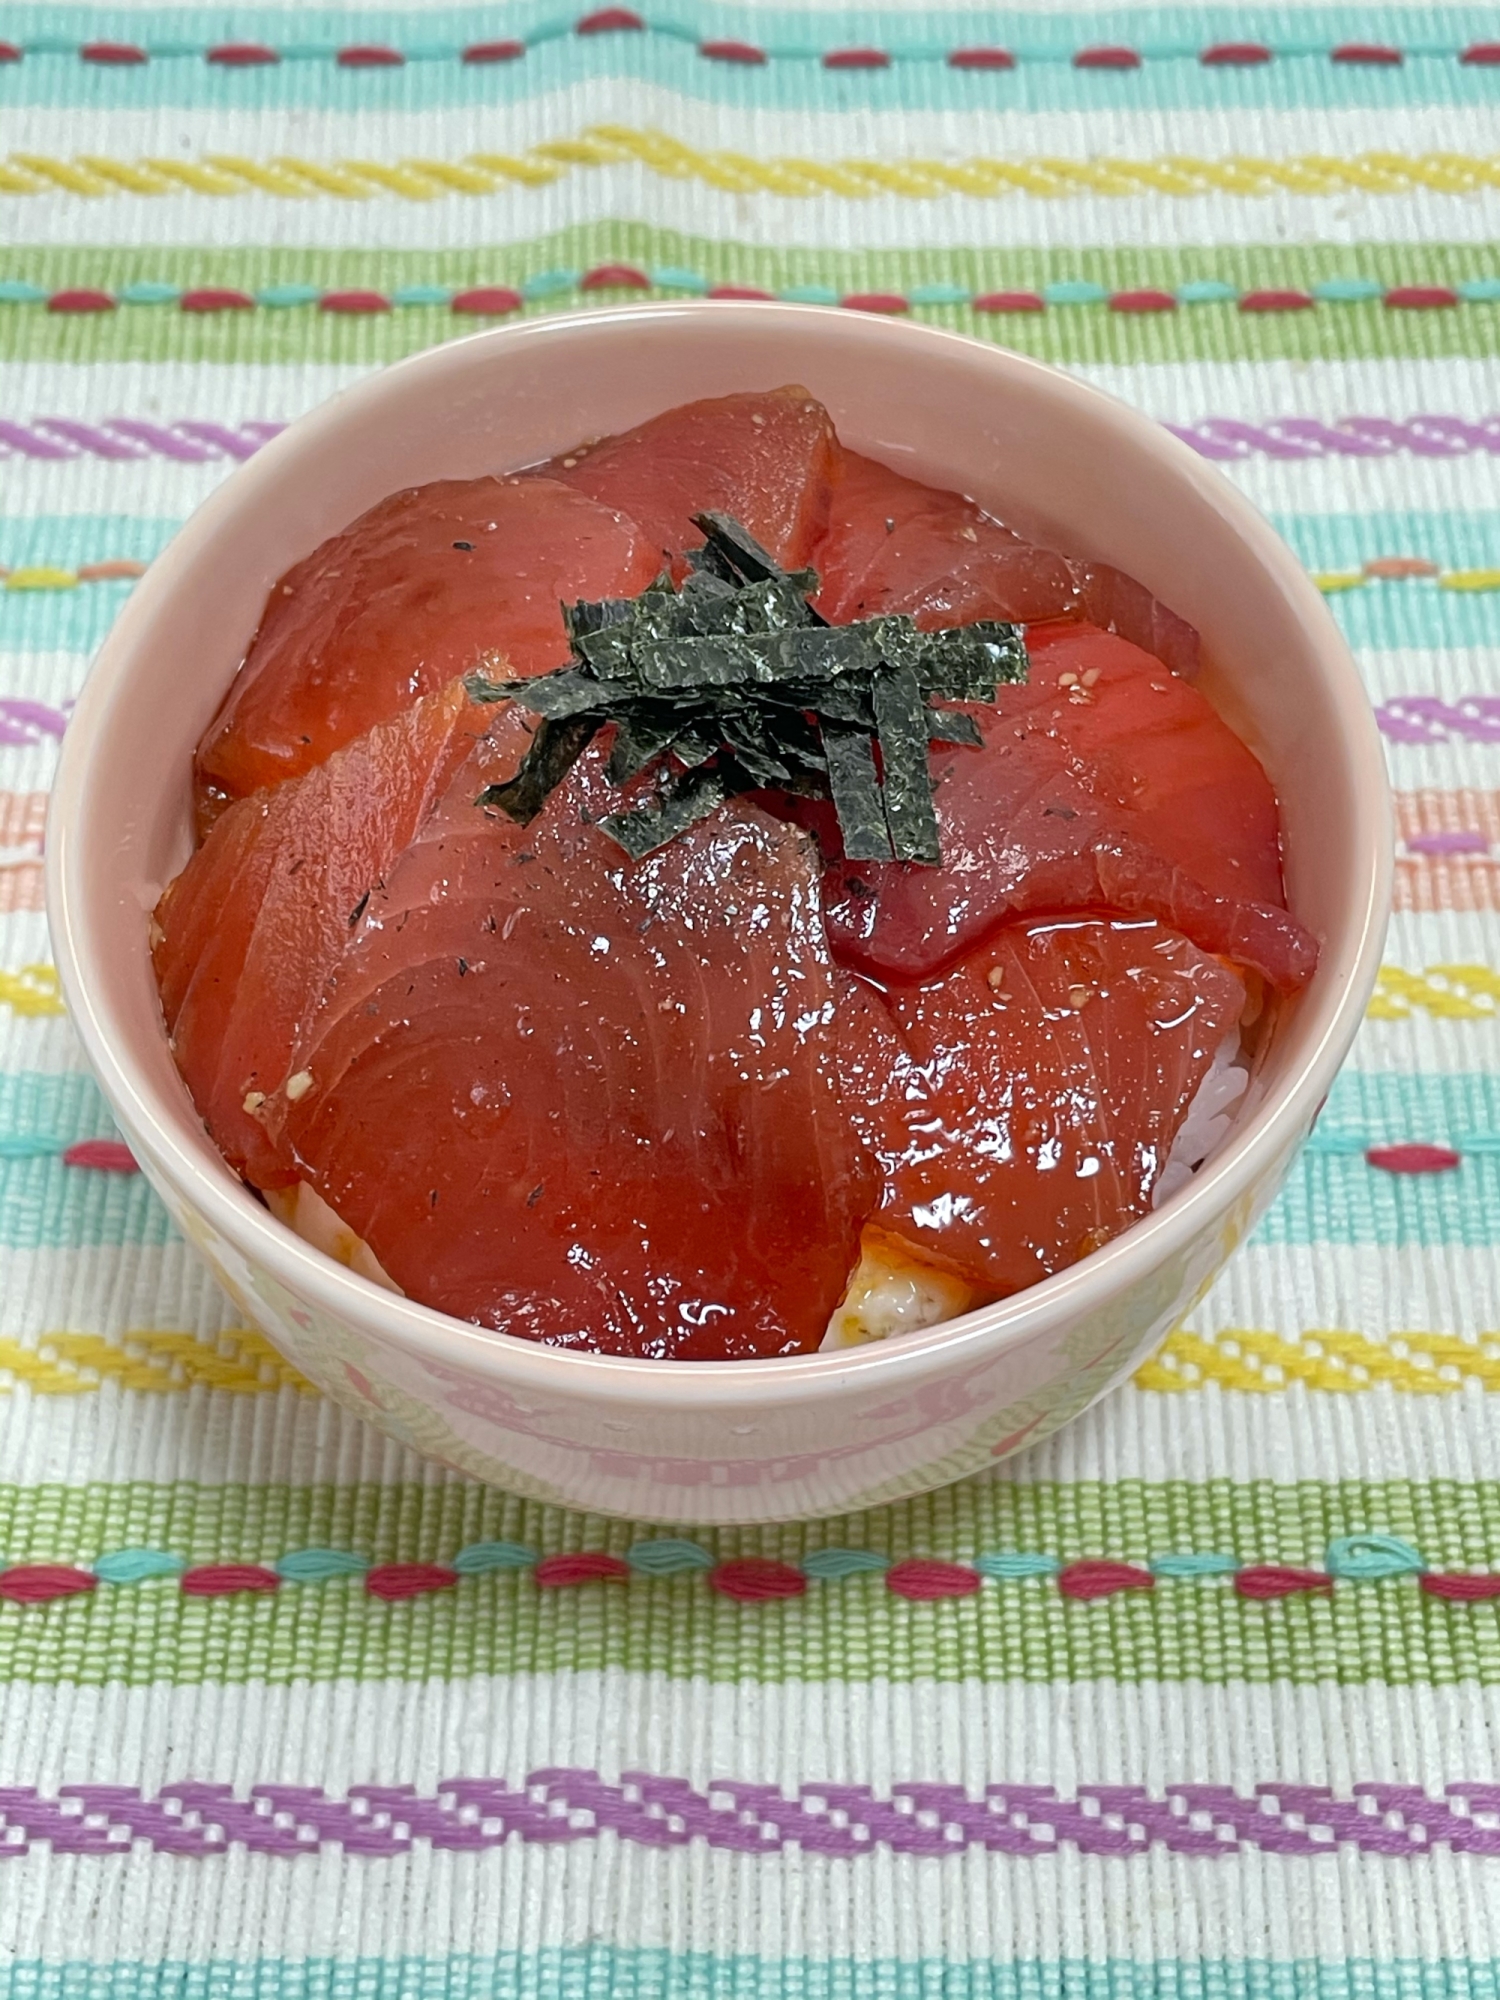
(1197, 1702)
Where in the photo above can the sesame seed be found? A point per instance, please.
(1078, 998)
(1090, 676)
(1067, 680)
(299, 1085)
(254, 1099)
(995, 978)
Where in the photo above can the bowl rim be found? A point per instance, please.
(160, 1129)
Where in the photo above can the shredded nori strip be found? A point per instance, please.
(907, 785)
(735, 683)
(643, 733)
(679, 806)
(554, 750)
(952, 725)
(855, 790)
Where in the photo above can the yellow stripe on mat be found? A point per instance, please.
(292, 177)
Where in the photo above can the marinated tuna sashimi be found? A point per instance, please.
(413, 593)
(766, 459)
(643, 1146)
(1048, 1075)
(1116, 602)
(1102, 780)
(695, 965)
(896, 545)
(248, 932)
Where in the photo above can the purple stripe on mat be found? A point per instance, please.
(1424, 718)
(23, 723)
(190, 442)
(1228, 438)
(1223, 438)
(1399, 1821)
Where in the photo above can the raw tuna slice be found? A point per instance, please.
(590, 1102)
(249, 931)
(415, 591)
(895, 545)
(764, 458)
(1050, 1071)
(1103, 782)
(1111, 599)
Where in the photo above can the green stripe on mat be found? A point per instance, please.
(613, 1972)
(1190, 1628)
(1217, 331)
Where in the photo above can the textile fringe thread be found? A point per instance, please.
(292, 177)
(1355, 1559)
(190, 442)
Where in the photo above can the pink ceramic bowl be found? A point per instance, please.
(750, 1440)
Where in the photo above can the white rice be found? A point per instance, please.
(1216, 1103)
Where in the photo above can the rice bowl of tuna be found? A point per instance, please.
(708, 887)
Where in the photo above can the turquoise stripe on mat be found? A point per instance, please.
(45, 1205)
(919, 42)
(1332, 1195)
(1457, 538)
(606, 1972)
(1376, 617)
(63, 541)
(1381, 615)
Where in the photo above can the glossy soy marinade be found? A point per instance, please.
(702, 1103)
